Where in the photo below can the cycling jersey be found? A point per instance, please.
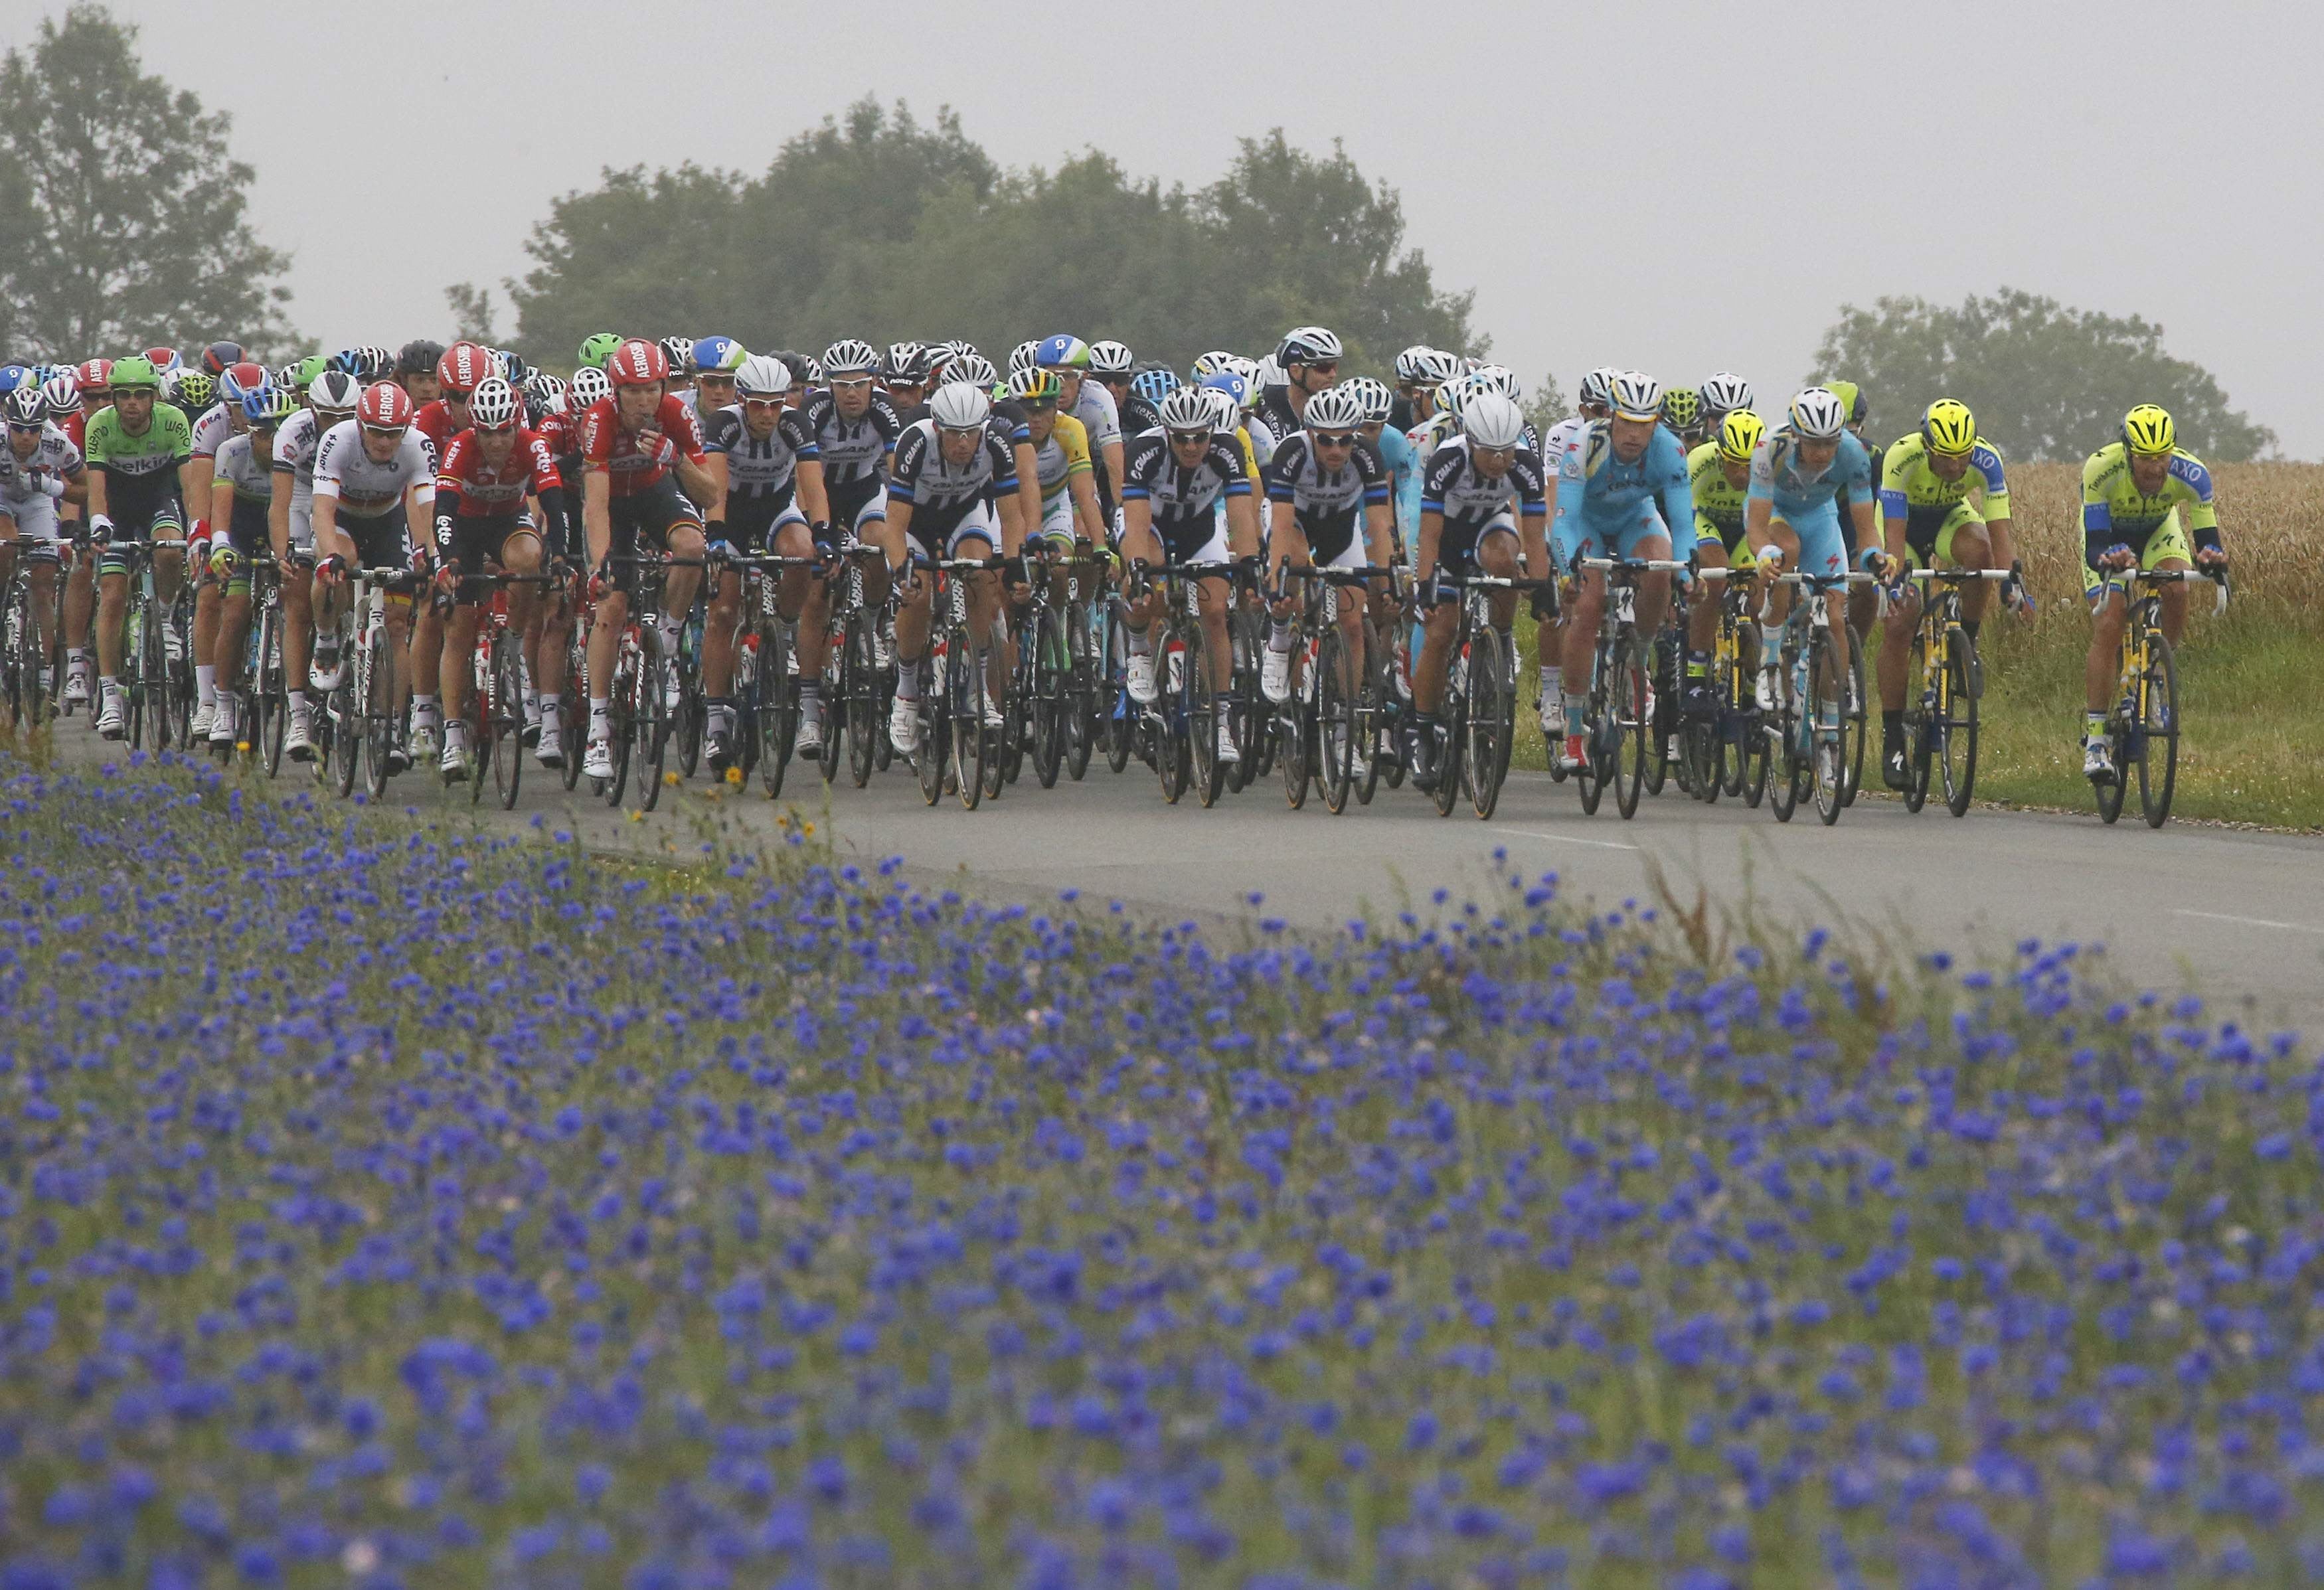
(2114, 511)
(1261, 439)
(364, 489)
(943, 493)
(1324, 501)
(141, 472)
(1064, 454)
(760, 468)
(1911, 491)
(1810, 503)
(1179, 497)
(294, 454)
(1137, 417)
(1404, 463)
(241, 468)
(1605, 505)
(1274, 412)
(1453, 487)
(30, 488)
(852, 450)
(466, 487)
(434, 421)
(210, 431)
(607, 445)
(1718, 506)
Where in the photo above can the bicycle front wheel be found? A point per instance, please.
(2158, 732)
(1335, 722)
(379, 722)
(860, 690)
(1956, 723)
(1492, 691)
(964, 686)
(1631, 735)
(1051, 701)
(505, 721)
(1836, 733)
(650, 716)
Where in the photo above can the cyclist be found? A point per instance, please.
(458, 372)
(1113, 367)
(1309, 357)
(1061, 461)
(904, 376)
(241, 491)
(40, 469)
(415, 371)
(950, 468)
(1720, 394)
(1485, 503)
(642, 456)
(1322, 480)
(1611, 474)
(2146, 504)
(714, 359)
(1091, 403)
(372, 474)
(134, 453)
(1593, 400)
(488, 472)
(1141, 410)
(1719, 479)
(331, 397)
(1799, 471)
(1944, 500)
(774, 503)
(212, 427)
(854, 428)
(1175, 479)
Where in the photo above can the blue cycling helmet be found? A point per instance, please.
(718, 355)
(1154, 385)
(1061, 351)
(1228, 381)
(12, 376)
(269, 404)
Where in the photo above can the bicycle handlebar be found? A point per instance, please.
(1955, 577)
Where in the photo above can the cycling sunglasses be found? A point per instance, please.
(1340, 439)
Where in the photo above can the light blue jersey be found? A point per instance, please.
(1807, 502)
(1606, 507)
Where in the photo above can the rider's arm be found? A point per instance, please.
(1379, 526)
(96, 504)
(1242, 525)
(597, 515)
(1533, 516)
(1432, 534)
(1759, 514)
(808, 487)
(1083, 484)
(1138, 523)
(328, 539)
(195, 477)
(1895, 509)
(278, 510)
(2202, 515)
(2097, 514)
(221, 509)
(700, 484)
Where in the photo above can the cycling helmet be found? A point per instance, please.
(1226, 414)
(1818, 414)
(1372, 397)
(1232, 383)
(1501, 379)
(136, 375)
(590, 386)
(1725, 392)
(350, 360)
(334, 392)
(719, 355)
(27, 407)
(1596, 390)
(240, 380)
(164, 358)
(491, 406)
(1948, 427)
(542, 387)
(1307, 345)
(269, 404)
(1740, 434)
(512, 366)
(960, 405)
(1036, 386)
(418, 357)
(61, 393)
(1156, 385)
(1334, 409)
(906, 361)
(1490, 419)
(1024, 357)
(95, 375)
(1682, 407)
(220, 355)
(802, 368)
(1411, 364)
(2149, 428)
(15, 377)
(974, 368)
(197, 390)
(1637, 396)
(762, 376)
(637, 363)
(1453, 396)
(1433, 368)
(1111, 358)
(463, 365)
(1062, 352)
(1211, 363)
(378, 364)
(1188, 408)
(597, 347)
(679, 352)
(385, 406)
(850, 356)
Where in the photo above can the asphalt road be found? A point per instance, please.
(2237, 915)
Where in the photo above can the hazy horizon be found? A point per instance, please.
(1721, 182)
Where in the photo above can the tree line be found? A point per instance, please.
(124, 217)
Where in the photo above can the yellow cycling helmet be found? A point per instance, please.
(1740, 434)
(1033, 384)
(1948, 427)
(2148, 428)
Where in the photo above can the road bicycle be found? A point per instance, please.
(1617, 721)
(496, 691)
(1476, 721)
(26, 633)
(1333, 720)
(1722, 751)
(643, 691)
(1811, 748)
(366, 724)
(1184, 717)
(1944, 682)
(2143, 726)
(959, 721)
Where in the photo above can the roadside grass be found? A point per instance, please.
(389, 1205)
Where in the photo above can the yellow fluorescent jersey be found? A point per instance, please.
(1718, 506)
(1064, 456)
(2115, 510)
(1250, 453)
(1911, 490)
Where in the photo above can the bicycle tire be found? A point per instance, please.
(1923, 727)
(1663, 695)
(965, 690)
(935, 753)
(1004, 747)
(1491, 692)
(1784, 790)
(1296, 737)
(775, 706)
(1957, 725)
(652, 719)
(2158, 721)
(1081, 720)
(1051, 703)
(1632, 726)
(1335, 725)
(690, 724)
(1824, 673)
(1858, 683)
(379, 714)
(506, 718)
(866, 728)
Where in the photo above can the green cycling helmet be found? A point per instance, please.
(310, 367)
(598, 347)
(135, 373)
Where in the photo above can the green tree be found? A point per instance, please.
(124, 216)
(2046, 382)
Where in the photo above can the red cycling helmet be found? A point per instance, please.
(95, 375)
(384, 406)
(637, 363)
(463, 365)
(165, 359)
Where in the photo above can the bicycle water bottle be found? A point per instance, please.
(938, 654)
(1173, 665)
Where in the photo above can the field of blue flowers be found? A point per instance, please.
(384, 1204)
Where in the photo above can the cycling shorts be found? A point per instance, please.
(384, 542)
(36, 518)
(941, 534)
(855, 504)
(1929, 532)
(1823, 550)
(476, 541)
(2166, 540)
(1617, 535)
(1458, 541)
(1200, 539)
(753, 523)
(246, 532)
(1057, 521)
(648, 517)
(148, 521)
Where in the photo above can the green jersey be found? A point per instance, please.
(141, 472)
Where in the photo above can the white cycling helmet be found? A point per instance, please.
(1307, 345)
(1372, 396)
(1725, 392)
(1490, 420)
(1501, 379)
(1225, 412)
(1637, 396)
(1334, 409)
(974, 368)
(762, 376)
(850, 356)
(1024, 357)
(493, 405)
(335, 391)
(1191, 409)
(1818, 414)
(960, 405)
(1596, 390)
(590, 387)
(1108, 357)
(1454, 394)
(1213, 362)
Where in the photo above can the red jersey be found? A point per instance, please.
(562, 432)
(434, 421)
(76, 426)
(479, 491)
(629, 467)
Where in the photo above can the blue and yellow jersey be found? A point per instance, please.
(1910, 489)
(1718, 506)
(2115, 510)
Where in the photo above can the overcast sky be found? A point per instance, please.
(1680, 187)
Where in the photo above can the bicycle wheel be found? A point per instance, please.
(775, 704)
(1492, 692)
(32, 702)
(933, 759)
(379, 718)
(965, 689)
(1853, 764)
(1925, 714)
(1051, 701)
(506, 719)
(1082, 693)
(2158, 732)
(1590, 778)
(1631, 735)
(866, 727)
(1450, 764)
(1004, 747)
(620, 692)
(1661, 726)
(573, 706)
(1783, 739)
(691, 718)
(1118, 730)
(652, 719)
(1335, 722)
(1830, 772)
(1208, 773)
(1295, 730)
(1956, 722)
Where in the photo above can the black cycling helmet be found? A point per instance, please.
(417, 357)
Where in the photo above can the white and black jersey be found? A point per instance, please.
(1451, 486)
(1326, 501)
(853, 451)
(760, 468)
(941, 493)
